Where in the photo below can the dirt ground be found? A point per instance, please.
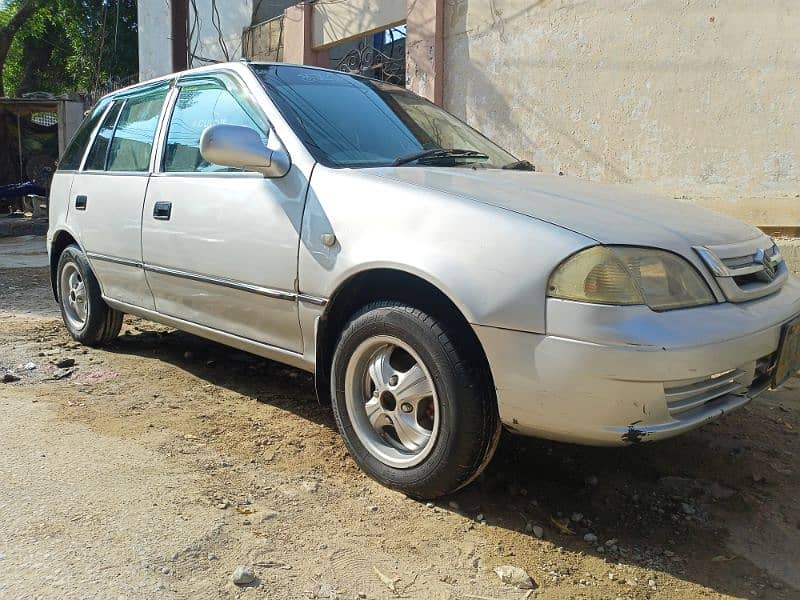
(152, 468)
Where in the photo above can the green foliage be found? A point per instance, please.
(71, 45)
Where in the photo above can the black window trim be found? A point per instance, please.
(172, 86)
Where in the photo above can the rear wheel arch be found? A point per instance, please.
(87, 317)
(61, 240)
(373, 285)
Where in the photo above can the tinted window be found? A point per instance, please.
(349, 121)
(74, 152)
(96, 161)
(133, 137)
(197, 107)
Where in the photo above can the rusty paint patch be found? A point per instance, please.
(634, 435)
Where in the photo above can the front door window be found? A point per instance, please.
(197, 107)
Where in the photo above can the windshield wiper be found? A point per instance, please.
(519, 165)
(439, 153)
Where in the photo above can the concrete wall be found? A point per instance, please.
(336, 21)
(264, 10)
(155, 44)
(204, 44)
(699, 99)
(155, 34)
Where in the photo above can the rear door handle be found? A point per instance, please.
(80, 202)
(162, 211)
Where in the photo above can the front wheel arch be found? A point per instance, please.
(373, 285)
(460, 426)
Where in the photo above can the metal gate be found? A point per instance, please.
(381, 56)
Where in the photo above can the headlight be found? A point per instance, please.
(624, 275)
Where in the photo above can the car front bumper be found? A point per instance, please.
(613, 375)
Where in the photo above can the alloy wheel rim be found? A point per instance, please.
(392, 402)
(73, 296)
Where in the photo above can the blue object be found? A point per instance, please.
(14, 190)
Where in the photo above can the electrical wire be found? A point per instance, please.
(194, 34)
(216, 21)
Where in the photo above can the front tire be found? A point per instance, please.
(414, 405)
(88, 318)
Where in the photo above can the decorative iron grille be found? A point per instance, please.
(367, 60)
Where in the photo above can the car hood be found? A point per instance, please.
(609, 214)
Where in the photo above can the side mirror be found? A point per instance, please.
(242, 148)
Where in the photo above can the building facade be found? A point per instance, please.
(179, 34)
(696, 99)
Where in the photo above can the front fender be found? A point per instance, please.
(492, 263)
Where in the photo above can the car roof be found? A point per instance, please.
(239, 66)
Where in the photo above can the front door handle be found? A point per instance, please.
(80, 202)
(162, 211)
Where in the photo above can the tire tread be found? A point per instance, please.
(468, 461)
(104, 323)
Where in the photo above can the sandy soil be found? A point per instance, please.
(152, 468)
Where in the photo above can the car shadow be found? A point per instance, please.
(264, 380)
(664, 507)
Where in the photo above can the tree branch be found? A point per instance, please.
(10, 29)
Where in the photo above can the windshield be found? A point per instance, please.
(350, 121)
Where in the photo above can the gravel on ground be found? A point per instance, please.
(167, 466)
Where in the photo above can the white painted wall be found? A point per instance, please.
(699, 99)
(204, 43)
(155, 54)
(336, 21)
(155, 43)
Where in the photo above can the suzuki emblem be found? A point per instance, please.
(768, 273)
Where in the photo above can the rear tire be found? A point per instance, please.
(87, 317)
(416, 408)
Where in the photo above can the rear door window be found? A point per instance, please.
(132, 143)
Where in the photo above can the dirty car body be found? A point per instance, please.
(322, 205)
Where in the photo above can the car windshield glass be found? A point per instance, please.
(350, 121)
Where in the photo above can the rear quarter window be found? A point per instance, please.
(96, 161)
(71, 160)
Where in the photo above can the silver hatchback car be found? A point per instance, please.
(436, 286)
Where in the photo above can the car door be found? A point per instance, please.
(107, 195)
(220, 245)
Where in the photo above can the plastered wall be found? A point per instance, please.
(206, 28)
(155, 44)
(336, 21)
(698, 99)
(155, 33)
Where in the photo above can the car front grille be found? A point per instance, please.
(748, 270)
